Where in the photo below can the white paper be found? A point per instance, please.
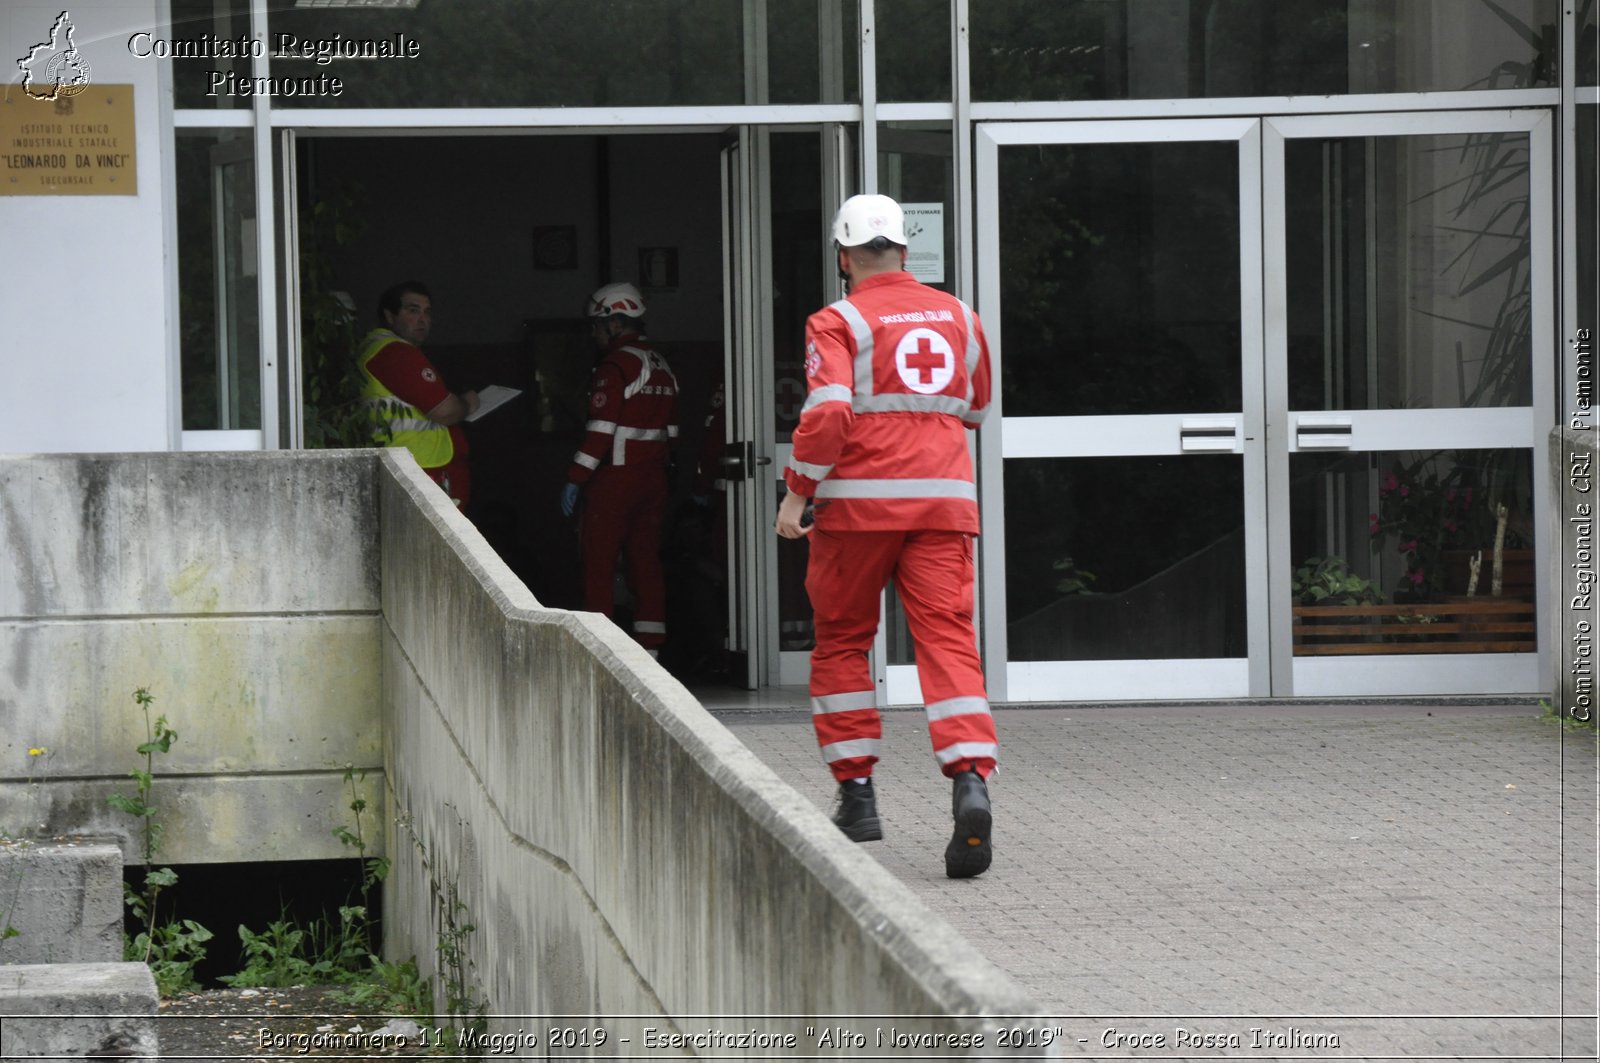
(925, 231)
(492, 398)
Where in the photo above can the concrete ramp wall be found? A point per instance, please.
(617, 851)
(242, 591)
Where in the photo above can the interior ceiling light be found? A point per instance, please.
(403, 4)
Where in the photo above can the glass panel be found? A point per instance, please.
(1413, 552)
(913, 46)
(1131, 49)
(217, 311)
(1408, 272)
(798, 261)
(195, 25)
(1588, 52)
(554, 53)
(1097, 568)
(1119, 285)
(916, 167)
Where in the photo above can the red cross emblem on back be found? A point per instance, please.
(925, 361)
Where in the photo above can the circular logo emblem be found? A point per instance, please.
(925, 361)
(599, 399)
(69, 72)
(429, 375)
(813, 360)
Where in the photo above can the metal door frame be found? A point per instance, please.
(1154, 678)
(1401, 429)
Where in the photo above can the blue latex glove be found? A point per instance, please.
(569, 499)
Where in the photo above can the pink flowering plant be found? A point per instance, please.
(1423, 514)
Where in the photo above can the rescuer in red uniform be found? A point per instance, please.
(622, 465)
(897, 372)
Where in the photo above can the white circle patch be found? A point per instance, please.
(925, 360)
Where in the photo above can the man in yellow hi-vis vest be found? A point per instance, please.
(407, 402)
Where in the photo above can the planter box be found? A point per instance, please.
(1463, 625)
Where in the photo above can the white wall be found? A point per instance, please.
(83, 344)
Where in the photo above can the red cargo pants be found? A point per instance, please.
(623, 510)
(933, 574)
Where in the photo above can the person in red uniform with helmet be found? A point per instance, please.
(621, 468)
(897, 373)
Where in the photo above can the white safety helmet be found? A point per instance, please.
(612, 299)
(862, 219)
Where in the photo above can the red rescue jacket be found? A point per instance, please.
(897, 373)
(633, 400)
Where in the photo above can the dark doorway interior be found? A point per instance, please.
(511, 233)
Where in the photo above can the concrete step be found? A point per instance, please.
(63, 896)
(66, 1010)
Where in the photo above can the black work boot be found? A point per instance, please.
(858, 812)
(968, 853)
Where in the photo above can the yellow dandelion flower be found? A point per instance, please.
(37, 751)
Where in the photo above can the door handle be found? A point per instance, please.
(1208, 434)
(1314, 431)
(740, 460)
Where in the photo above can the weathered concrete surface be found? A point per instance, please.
(243, 816)
(617, 850)
(242, 591)
(1573, 480)
(63, 897)
(67, 1010)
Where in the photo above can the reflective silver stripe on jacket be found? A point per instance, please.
(827, 393)
(856, 747)
(648, 435)
(963, 706)
(866, 400)
(863, 335)
(856, 699)
(649, 363)
(588, 461)
(837, 488)
(605, 428)
(391, 409)
(954, 405)
(966, 751)
(805, 468)
(650, 627)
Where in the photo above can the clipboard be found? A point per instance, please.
(492, 398)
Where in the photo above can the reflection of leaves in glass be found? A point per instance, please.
(329, 326)
(1446, 500)
(1329, 581)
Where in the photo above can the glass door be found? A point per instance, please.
(752, 633)
(1408, 287)
(1125, 524)
(780, 187)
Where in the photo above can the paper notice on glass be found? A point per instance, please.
(925, 251)
(492, 398)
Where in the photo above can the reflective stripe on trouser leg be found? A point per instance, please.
(934, 579)
(849, 732)
(645, 578)
(844, 574)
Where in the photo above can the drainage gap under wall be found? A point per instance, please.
(221, 897)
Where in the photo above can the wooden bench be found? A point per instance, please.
(1464, 625)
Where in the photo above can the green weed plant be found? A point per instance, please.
(174, 948)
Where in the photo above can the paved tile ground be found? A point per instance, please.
(1336, 870)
